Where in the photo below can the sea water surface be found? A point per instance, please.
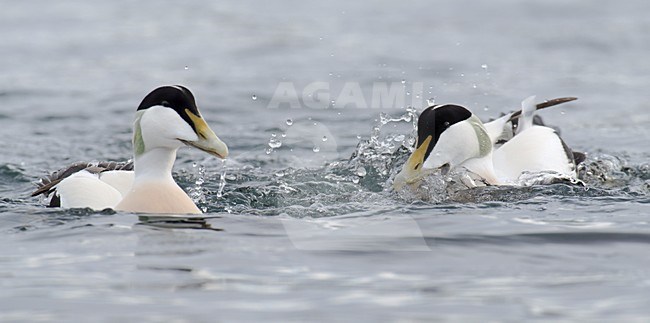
(300, 222)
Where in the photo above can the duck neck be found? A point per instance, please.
(484, 167)
(155, 164)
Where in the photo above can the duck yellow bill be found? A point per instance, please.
(412, 170)
(208, 140)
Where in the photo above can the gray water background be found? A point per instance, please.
(302, 237)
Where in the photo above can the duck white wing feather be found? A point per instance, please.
(528, 109)
(67, 186)
(121, 180)
(496, 128)
(536, 149)
(502, 130)
(83, 189)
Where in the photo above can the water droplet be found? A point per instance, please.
(474, 86)
(355, 180)
(411, 141)
(486, 109)
(273, 135)
(316, 149)
(361, 171)
(289, 122)
(484, 66)
(431, 101)
(187, 67)
(324, 138)
(274, 143)
(254, 97)
(269, 151)
(284, 135)
(279, 173)
(399, 138)
(403, 81)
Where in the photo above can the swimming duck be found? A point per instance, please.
(167, 119)
(499, 152)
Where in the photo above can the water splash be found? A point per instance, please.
(338, 187)
(196, 192)
(615, 173)
(222, 179)
(384, 152)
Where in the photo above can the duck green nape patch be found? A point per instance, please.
(138, 142)
(484, 142)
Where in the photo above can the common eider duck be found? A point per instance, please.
(450, 137)
(167, 119)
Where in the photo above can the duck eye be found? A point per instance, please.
(446, 123)
(164, 104)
